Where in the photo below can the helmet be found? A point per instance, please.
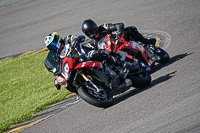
(90, 28)
(54, 42)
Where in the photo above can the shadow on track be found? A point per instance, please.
(135, 91)
(157, 81)
(171, 61)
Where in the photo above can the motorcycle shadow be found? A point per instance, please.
(171, 61)
(121, 97)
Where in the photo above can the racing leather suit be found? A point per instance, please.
(93, 54)
(127, 33)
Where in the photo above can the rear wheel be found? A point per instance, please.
(164, 56)
(102, 99)
(141, 79)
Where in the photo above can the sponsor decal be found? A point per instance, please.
(83, 64)
(93, 64)
(150, 62)
(134, 45)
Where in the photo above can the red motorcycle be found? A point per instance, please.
(145, 55)
(86, 78)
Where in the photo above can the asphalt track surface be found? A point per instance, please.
(170, 104)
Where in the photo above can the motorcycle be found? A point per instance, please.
(140, 77)
(95, 82)
(131, 50)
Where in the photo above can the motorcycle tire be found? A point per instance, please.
(140, 80)
(89, 96)
(164, 56)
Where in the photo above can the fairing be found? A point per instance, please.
(89, 64)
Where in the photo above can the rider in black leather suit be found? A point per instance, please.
(95, 33)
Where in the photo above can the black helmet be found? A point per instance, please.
(89, 27)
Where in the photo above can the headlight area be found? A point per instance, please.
(60, 80)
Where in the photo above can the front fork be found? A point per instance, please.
(94, 88)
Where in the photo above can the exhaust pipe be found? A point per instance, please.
(127, 84)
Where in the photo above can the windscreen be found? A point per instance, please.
(102, 43)
(52, 62)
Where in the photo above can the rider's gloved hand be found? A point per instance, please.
(81, 38)
(118, 36)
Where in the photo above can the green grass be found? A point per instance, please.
(26, 87)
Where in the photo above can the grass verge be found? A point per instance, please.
(26, 87)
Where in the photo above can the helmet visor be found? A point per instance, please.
(93, 34)
(96, 34)
(90, 32)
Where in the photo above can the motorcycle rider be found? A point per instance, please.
(63, 47)
(95, 33)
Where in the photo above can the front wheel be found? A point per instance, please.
(140, 79)
(100, 99)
